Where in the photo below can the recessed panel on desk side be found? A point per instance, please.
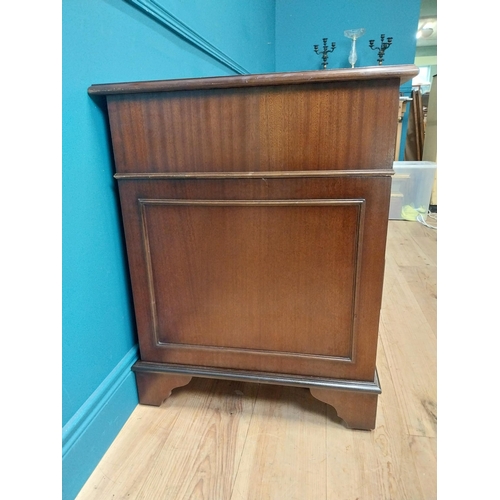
(279, 275)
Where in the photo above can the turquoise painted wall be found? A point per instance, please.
(112, 41)
(243, 28)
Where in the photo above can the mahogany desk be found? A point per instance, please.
(255, 211)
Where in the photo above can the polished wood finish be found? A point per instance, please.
(402, 73)
(234, 440)
(154, 388)
(372, 387)
(313, 126)
(348, 405)
(300, 285)
(255, 212)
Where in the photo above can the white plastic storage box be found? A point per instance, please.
(411, 189)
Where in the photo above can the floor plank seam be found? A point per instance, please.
(257, 392)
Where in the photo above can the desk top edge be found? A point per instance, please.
(403, 72)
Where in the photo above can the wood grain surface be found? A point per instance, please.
(232, 270)
(315, 126)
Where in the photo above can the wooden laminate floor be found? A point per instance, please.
(223, 440)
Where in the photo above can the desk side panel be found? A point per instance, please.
(317, 126)
(278, 275)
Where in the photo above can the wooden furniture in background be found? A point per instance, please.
(403, 101)
(416, 128)
(430, 142)
(255, 211)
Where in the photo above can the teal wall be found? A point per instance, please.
(243, 29)
(112, 41)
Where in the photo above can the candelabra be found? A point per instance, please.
(325, 51)
(353, 35)
(383, 47)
